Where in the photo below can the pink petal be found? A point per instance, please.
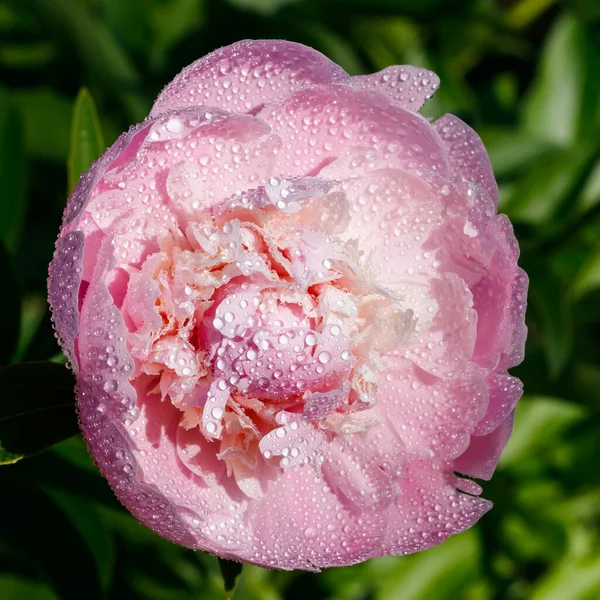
(365, 471)
(433, 417)
(407, 86)
(319, 124)
(504, 392)
(446, 347)
(429, 510)
(518, 304)
(245, 76)
(499, 301)
(127, 144)
(297, 442)
(197, 453)
(319, 405)
(480, 458)
(301, 524)
(393, 213)
(106, 404)
(64, 279)
(467, 154)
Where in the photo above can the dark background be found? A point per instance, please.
(526, 75)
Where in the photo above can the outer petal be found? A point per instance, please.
(504, 392)
(393, 213)
(66, 268)
(434, 418)
(247, 75)
(468, 156)
(430, 510)
(499, 299)
(107, 402)
(407, 86)
(320, 123)
(63, 290)
(301, 524)
(127, 144)
(480, 458)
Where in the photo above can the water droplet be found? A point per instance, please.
(174, 125)
(311, 339)
(111, 385)
(324, 357)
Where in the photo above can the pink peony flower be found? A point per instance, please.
(291, 307)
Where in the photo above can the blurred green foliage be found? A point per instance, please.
(524, 73)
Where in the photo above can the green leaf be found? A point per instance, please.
(262, 7)
(26, 56)
(10, 306)
(526, 11)
(37, 409)
(90, 525)
(230, 571)
(94, 43)
(552, 310)
(91, 37)
(587, 278)
(130, 22)
(46, 117)
(45, 541)
(575, 580)
(550, 185)
(554, 107)
(13, 205)
(510, 150)
(539, 423)
(442, 573)
(19, 588)
(172, 22)
(86, 137)
(590, 194)
(33, 309)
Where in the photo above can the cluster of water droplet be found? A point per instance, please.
(63, 290)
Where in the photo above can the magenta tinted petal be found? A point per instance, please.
(504, 393)
(430, 510)
(467, 154)
(407, 86)
(245, 76)
(480, 458)
(64, 278)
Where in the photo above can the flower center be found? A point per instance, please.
(260, 323)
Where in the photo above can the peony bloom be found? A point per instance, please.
(291, 306)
